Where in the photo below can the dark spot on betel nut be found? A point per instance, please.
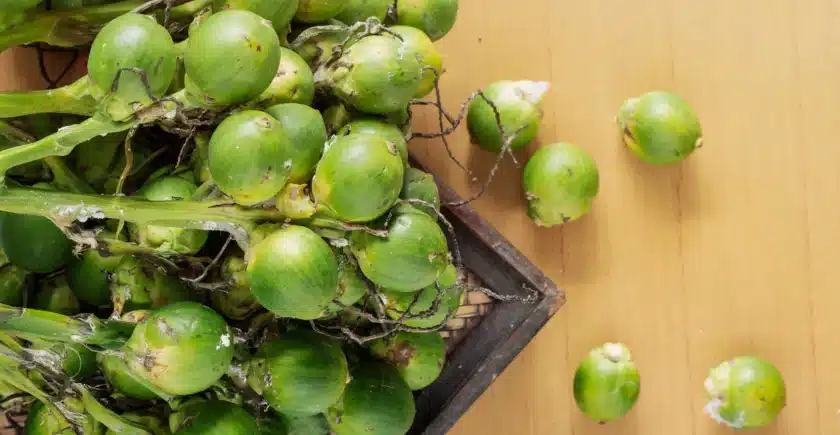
(259, 47)
(166, 329)
(402, 353)
(188, 421)
(148, 361)
(267, 177)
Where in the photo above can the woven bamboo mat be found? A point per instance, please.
(474, 307)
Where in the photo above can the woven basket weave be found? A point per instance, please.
(475, 306)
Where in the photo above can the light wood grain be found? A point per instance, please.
(733, 252)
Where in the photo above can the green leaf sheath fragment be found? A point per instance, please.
(57, 327)
(79, 26)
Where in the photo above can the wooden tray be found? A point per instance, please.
(487, 335)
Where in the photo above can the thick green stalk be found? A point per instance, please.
(74, 27)
(57, 327)
(107, 417)
(12, 354)
(63, 177)
(74, 99)
(206, 215)
(12, 375)
(14, 135)
(61, 143)
(203, 191)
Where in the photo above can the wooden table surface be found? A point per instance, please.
(728, 253)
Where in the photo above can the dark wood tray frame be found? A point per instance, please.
(502, 334)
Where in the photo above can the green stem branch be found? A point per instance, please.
(63, 176)
(74, 99)
(107, 417)
(57, 327)
(66, 206)
(66, 139)
(61, 143)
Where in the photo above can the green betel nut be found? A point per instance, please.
(413, 255)
(434, 17)
(284, 425)
(419, 357)
(359, 177)
(35, 243)
(319, 11)
(137, 42)
(360, 10)
(250, 157)
(376, 74)
(55, 295)
(560, 182)
(519, 108)
(300, 373)
(377, 127)
(88, 274)
(426, 53)
(293, 273)
(236, 301)
(660, 127)
(213, 417)
(607, 383)
(421, 189)
(12, 282)
(304, 126)
(168, 240)
(278, 12)
(417, 310)
(137, 286)
(745, 393)
(181, 348)
(232, 57)
(293, 83)
(351, 284)
(377, 401)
